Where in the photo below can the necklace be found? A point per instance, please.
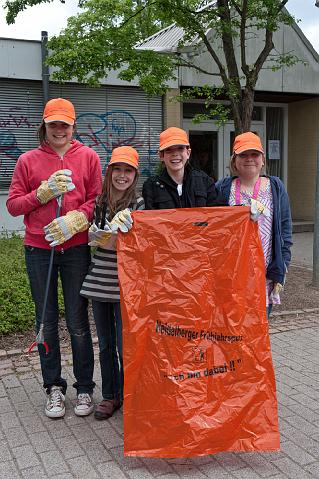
(255, 191)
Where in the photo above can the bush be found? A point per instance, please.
(16, 305)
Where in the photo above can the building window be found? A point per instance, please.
(274, 144)
(192, 109)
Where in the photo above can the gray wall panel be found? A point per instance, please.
(107, 117)
(20, 116)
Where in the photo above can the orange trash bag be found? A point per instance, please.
(198, 370)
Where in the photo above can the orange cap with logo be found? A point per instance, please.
(125, 154)
(172, 137)
(59, 109)
(247, 141)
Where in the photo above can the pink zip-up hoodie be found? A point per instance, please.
(37, 165)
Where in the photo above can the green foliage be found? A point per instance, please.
(16, 6)
(286, 60)
(103, 38)
(106, 36)
(219, 112)
(16, 305)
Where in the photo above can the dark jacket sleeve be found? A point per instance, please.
(148, 195)
(286, 225)
(214, 196)
(223, 187)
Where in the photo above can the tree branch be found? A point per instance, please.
(243, 21)
(215, 57)
(185, 63)
(228, 44)
(135, 14)
(236, 7)
(268, 47)
(281, 5)
(262, 57)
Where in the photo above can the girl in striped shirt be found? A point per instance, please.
(112, 212)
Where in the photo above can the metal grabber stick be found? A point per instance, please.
(40, 336)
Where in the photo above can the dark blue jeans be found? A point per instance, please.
(107, 317)
(72, 265)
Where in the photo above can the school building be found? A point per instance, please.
(286, 115)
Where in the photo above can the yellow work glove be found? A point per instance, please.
(122, 221)
(59, 183)
(274, 295)
(277, 288)
(256, 209)
(63, 228)
(98, 237)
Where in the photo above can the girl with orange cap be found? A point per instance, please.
(179, 185)
(268, 196)
(112, 213)
(62, 169)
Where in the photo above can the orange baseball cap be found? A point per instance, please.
(59, 109)
(125, 154)
(172, 137)
(247, 141)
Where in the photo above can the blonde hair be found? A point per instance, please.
(233, 169)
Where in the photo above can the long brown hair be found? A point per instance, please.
(106, 199)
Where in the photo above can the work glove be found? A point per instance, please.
(98, 237)
(256, 209)
(277, 288)
(63, 228)
(276, 291)
(122, 221)
(59, 183)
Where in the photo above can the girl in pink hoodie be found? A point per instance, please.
(63, 169)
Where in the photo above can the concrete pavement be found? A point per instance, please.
(33, 446)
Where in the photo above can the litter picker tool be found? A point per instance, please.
(40, 336)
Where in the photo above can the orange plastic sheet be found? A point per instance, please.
(198, 370)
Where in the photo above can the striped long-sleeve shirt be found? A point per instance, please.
(101, 283)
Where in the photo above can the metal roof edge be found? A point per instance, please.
(20, 40)
(304, 39)
(160, 32)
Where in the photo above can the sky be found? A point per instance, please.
(52, 17)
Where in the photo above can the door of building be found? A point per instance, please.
(206, 144)
(204, 155)
(212, 146)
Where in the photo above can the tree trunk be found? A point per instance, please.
(237, 116)
(242, 110)
(248, 95)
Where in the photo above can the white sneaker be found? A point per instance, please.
(55, 403)
(84, 404)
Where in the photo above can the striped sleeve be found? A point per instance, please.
(101, 283)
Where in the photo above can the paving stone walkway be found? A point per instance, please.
(33, 446)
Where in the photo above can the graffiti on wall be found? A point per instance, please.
(117, 128)
(103, 132)
(14, 118)
(10, 120)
